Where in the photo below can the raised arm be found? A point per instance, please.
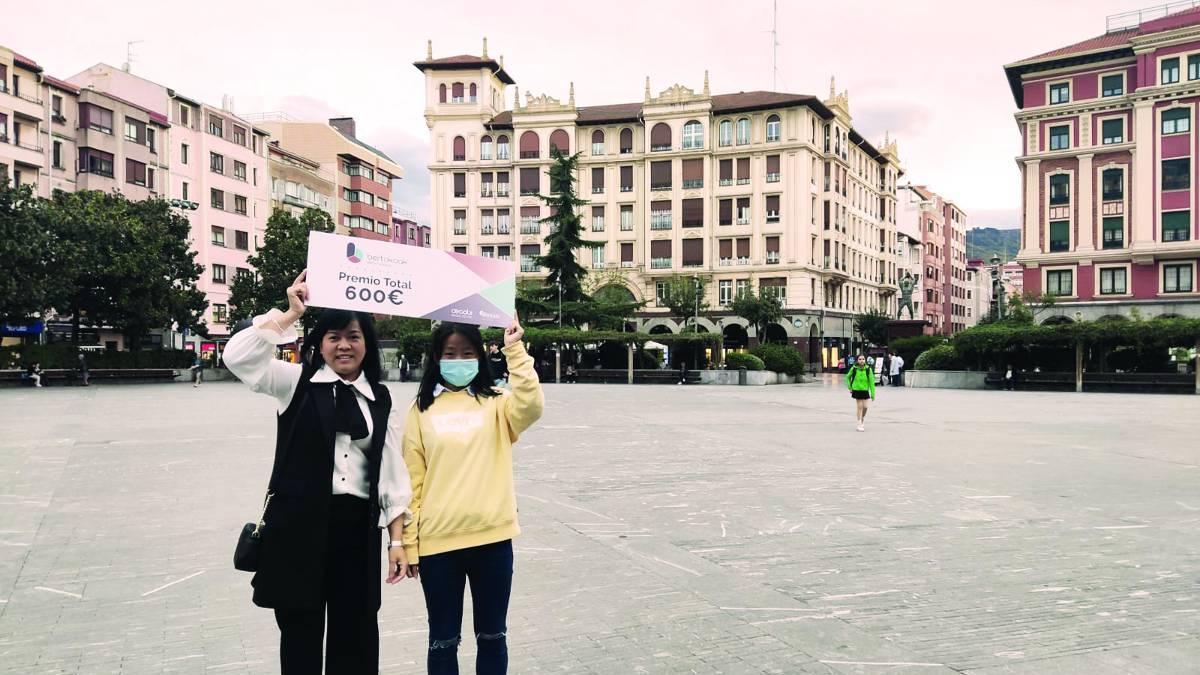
(250, 354)
(524, 405)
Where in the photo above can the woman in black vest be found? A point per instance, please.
(338, 478)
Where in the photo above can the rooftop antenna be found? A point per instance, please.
(129, 55)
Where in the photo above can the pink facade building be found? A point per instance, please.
(943, 231)
(218, 163)
(1110, 194)
(406, 229)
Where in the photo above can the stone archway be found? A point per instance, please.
(1057, 320)
(736, 337)
(814, 344)
(775, 334)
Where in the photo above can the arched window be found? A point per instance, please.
(460, 149)
(502, 147)
(774, 128)
(559, 141)
(726, 135)
(627, 141)
(530, 145)
(456, 92)
(693, 136)
(660, 137)
(598, 142)
(474, 92)
(441, 93)
(485, 147)
(743, 131)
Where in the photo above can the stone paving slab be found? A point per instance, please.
(667, 530)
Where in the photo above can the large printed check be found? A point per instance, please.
(385, 278)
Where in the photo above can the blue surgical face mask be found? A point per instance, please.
(459, 372)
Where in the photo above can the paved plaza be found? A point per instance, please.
(667, 530)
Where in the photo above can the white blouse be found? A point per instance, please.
(250, 355)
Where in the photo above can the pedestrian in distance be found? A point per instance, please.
(34, 373)
(897, 370)
(458, 443)
(339, 478)
(83, 368)
(197, 370)
(1010, 380)
(572, 375)
(886, 374)
(498, 364)
(860, 380)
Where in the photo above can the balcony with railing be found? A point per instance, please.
(598, 224)
(773, 177)
(597, 189)
(695, 184)
(487, 230)
(626, 188)
(660, 220)
(503, 228)
(460, 228)
(528, 265)
(772, 216)
(487, 191)
(725, 182)
(597, 148)
(502, 152)
(660, 263)
(530, 154)
(772, 258)
(743, 220)
(627, 225)
(530, 226)
(661, 148)
(743, 181)
(659, 187)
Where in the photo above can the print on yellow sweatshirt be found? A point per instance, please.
(459, 456)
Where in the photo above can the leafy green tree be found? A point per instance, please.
(277, 263)
(685, 296)
(30, 282)
(872, 326)
(759, 310)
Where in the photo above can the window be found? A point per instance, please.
(58, 155)
(1169, 73)
(1060, 137)
(597, 219)
(1176, 225)
(531, 183)
(1176, 174)
(531, 220)
(218, 236)
(1114, 232)
(239, 170)
(56, 106)
(184, 193)
(726, 133)
(460, 149)
(773, 128)
(1059, 282)
(1060, 93)
(216, 125)
(95, 161)
(1113, 281)
(96, 118)
(597, 180)
(693, 212)
(692, 254)
(560, 141)
(660, 175)
(660, 254)
(218, 275)
(502, 147)
(1176, 121)
(216, 163)
(1177, 278)
(150, 140)
(693, 174)
(660, 137)
(1112, 85)
(1113, 131)
(460, 222)
(626, 254)
(725, 292)
(220, 312)
(626, 141)
(725, 212)
(239, 204)
(183, 153)
(1060, 235)
(693, 136)
(530, 145)
(598, 257)
(502, 222)
(743, 131)
(627, 179)
(185, 115)
(135, 172)
(627, 217)
(660, 215)
(241, 240)
(725, 172)
(239, 135)
(242, 273)
(1113, 184)
(485, 148)
(132, 130)
(460, 185)
(1060, 190)
(487, 222)
(597, 142)
(529, 256)
(772, 168)
(772, 207)
(217, 199)
(473, 93)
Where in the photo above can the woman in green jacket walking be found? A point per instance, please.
(860, 380)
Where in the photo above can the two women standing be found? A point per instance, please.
(342, 472)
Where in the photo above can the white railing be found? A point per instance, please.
(1127, 20)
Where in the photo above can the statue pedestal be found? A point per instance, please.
(901, 329)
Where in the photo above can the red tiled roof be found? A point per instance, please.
(1187, 17)
(755, 100)
(26, 62)
(465, 61)
(617, 112)
(60, 84)
(501, 121)
(923, 191)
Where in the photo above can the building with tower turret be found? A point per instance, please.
(761, 190)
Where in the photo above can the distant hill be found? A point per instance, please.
(983, 242)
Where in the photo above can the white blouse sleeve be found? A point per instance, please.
(395, 488)
(250, 355)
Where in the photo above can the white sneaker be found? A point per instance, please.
(861, 427)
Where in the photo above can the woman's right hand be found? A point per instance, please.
(297, 295)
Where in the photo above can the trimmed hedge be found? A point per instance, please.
(909, 348)
(415, 344)
(65, 355)
(735, 360)
(780, 358)
(941, 357)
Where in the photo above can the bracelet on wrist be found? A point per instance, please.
(395, 544)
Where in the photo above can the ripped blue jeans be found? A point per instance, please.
(444, 577)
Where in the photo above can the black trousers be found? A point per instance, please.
(346, 618)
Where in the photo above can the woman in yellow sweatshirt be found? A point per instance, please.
(458, 442)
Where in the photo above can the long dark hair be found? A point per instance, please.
(337, 319)
(484, 382)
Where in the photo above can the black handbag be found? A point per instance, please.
(245, 555)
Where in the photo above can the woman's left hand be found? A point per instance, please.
(397, 565)
(513, 334)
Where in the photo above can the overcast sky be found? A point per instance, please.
(930, 72)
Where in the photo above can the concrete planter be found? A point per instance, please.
(756, 378)
(945, 379)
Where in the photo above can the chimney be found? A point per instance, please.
(344, 125)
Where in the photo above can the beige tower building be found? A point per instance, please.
(759, 190)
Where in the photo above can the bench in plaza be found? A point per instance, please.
(621, 376)
(70, 376)
(1158, 383)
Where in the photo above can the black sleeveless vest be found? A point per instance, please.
(291, 568)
